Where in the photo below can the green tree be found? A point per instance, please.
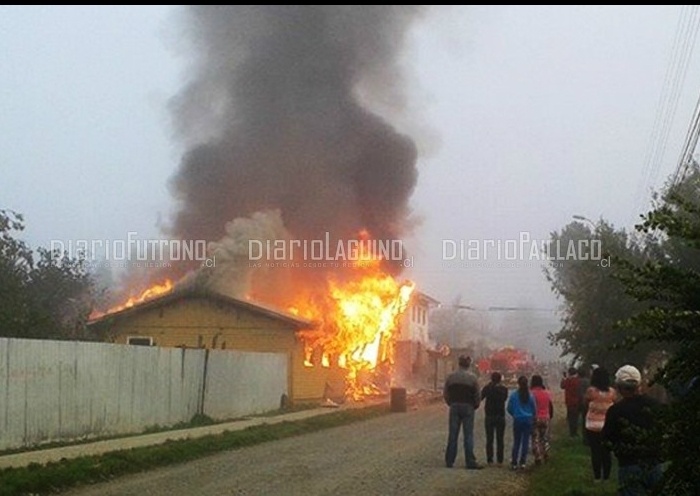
(43, 294)
(669, 287)
(593, 300)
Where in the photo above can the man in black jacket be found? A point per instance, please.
(632, 428)
(495, 394)
(461, 393)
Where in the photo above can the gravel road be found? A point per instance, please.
(396, 454)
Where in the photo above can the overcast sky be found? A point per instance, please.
(524, 117)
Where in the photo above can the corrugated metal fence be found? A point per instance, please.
(64, 390)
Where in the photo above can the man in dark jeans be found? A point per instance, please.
(495, 394)
(461, 393)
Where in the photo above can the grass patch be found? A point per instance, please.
(568, 471)
(199, 420)
(296, 407)
(45, 479)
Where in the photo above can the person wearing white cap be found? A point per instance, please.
(628, 374)
(632, 428)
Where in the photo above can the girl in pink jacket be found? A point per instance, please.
(544, 411)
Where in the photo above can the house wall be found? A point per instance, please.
(411, 357)
(204, 323)
(414, 322)
(317, 378)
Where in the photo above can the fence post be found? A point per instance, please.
(200, 410)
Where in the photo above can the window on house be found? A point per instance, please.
(140, 340)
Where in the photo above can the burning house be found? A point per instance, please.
(282, 150)
(347, 350)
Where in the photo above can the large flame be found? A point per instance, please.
(146, 294)
(358, 323)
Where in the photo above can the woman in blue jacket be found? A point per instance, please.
(521, 406)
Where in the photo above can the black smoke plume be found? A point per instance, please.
(273, 119)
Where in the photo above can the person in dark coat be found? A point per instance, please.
(633, 430)
(495, 395)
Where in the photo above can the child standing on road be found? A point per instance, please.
(521, 406)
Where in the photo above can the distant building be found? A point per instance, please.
(412, 360)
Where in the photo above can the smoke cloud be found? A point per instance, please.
(272, 121)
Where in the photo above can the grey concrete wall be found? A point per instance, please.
(65, 390)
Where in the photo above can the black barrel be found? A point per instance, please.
(398, 399)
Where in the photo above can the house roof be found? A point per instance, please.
(255, 307)
(424, 297)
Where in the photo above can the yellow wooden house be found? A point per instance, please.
(204, 319)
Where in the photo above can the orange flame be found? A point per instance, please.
(146, 294)
(358, 326)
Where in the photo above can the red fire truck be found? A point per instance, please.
(511, 362)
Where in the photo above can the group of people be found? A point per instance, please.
(530, 405)
(619, 420)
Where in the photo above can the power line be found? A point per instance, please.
(658, 116)
(498, 309)
(691, 140)
(684, 59)
(676, 71)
